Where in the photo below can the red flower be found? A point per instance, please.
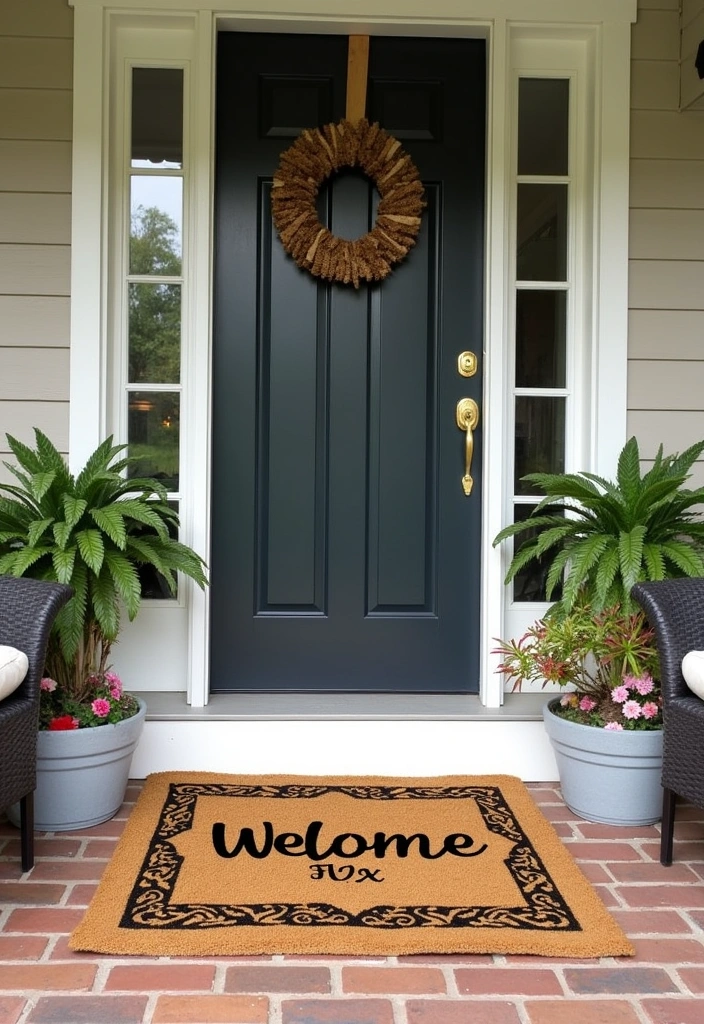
(63, 722)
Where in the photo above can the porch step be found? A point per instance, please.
(346, 734)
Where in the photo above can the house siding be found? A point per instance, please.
(666, 295)
(36, 67)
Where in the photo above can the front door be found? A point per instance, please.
(345, 553)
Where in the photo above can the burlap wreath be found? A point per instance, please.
(313, 157)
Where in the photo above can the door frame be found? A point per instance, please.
(529, 35)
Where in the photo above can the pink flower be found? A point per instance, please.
(565, 700)
(644, 685)
(587, 704)
(101, 707)
(650, 710)
(614, 727)
(47, 684)
(115, 684)
(619, 694)
(632, 709)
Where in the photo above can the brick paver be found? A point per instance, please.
(277, 979)
(11, 1008)
(211, 1010)
(662, 909)
(597, 1012)
(329, 1011)
(456, 1012)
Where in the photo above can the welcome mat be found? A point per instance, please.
(226, 865)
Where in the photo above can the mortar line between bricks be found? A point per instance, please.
(101, 975)
(29, 1006)
(275, 1010)
(640, 1013)
(219, 978)
(398, 1009)
(520, 1008)
(450, 980)
(674, 976)
(336, 980)
(149, 1009)
(696, 928)
(51, 945)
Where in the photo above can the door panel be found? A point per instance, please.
(345, 554)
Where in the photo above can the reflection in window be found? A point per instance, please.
(154, 333)
(543, 125)
(542, 233)
(156, 204)
(541, 325)
(529, 583)
(153, 435)
(540, 438)
(157, 117)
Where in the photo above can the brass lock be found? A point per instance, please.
(466, 364)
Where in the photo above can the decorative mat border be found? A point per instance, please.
(149, 908)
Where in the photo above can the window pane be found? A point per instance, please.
(153, 584)
(541, 320)
(157, 117)
(529, 583)
(541, 249)
(543, 123)
(540, 438)
(154, 333)
(155, 225)
(152, 434)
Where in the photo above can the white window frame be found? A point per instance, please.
(604, 28)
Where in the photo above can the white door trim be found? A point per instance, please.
(605, 23)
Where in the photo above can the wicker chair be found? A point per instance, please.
(27, 612)
(675, 610)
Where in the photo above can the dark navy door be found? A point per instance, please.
(345, 553)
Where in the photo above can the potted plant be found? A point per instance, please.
(94, 531)
(611, 719)
(599, 538)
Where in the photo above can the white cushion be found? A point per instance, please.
(693, 672)
(13, 669)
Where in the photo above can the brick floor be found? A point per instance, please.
(43, 982)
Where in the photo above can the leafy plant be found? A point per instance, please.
(604, 536)
(92, 531)
(610, 658)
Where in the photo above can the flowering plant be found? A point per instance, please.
(102, 702)
(608, 658)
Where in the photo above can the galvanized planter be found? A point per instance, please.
(609, 777)
(82, 774)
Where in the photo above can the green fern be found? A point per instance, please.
(93, 532)
(603, 536)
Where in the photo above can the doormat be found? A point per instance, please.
(226, 865)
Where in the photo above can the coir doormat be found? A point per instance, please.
(226, 865)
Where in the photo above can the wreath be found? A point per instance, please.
(313, 157)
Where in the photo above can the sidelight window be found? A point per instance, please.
(154, 280)
(542, 298)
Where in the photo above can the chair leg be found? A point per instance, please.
(669, 799)
(27, 831)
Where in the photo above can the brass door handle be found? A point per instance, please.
(467, 419)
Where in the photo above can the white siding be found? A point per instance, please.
(666, 295)
(36, 66)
